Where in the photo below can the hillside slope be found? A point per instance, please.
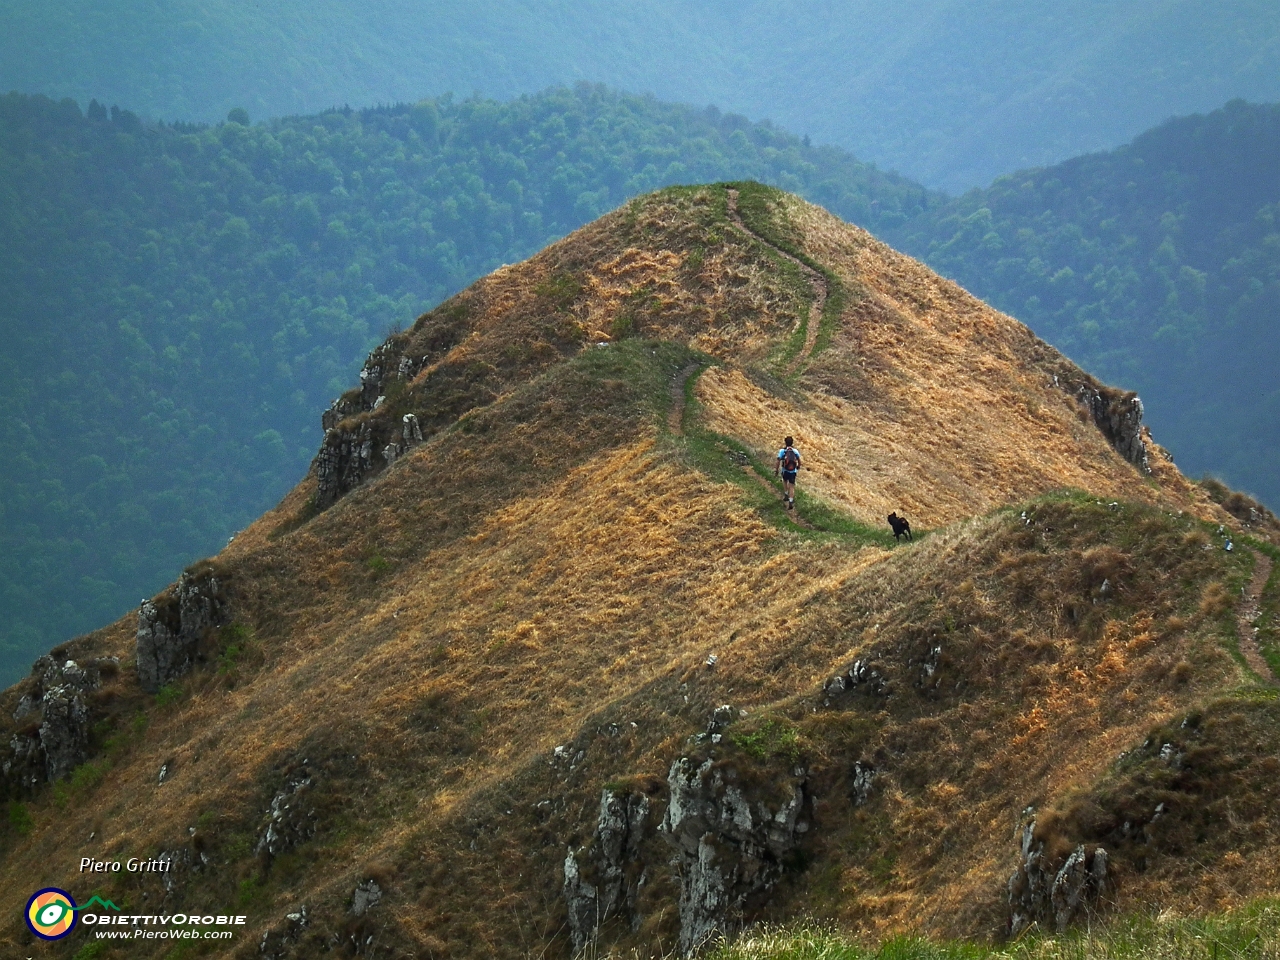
(534, 655)
(1156, 265)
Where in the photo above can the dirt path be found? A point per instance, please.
(675, 423)
(675, 416)
(745, 465)
(1247, 618)
(817, 283)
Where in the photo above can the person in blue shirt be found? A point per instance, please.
(787, 466)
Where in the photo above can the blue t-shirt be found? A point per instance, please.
(782, 453)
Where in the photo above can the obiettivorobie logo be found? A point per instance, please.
(51, 913)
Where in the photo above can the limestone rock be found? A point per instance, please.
(1117, 414)
(351, 449)
(602, 879)
(411, 433)
(344, 460)
(731, 841)
(278, 943)
(1053, 894)
(57, 741)
(864, 775)
(64, 732)
(863, 677)
(171, 626)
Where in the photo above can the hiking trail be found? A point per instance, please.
(675, 423)
(675, 416)
(817, 283)
(1247, 618)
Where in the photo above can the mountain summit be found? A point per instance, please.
(534, 657)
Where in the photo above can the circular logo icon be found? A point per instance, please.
(51, 913)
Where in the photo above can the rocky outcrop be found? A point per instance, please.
(861, 782)
(353, 450)
(861, 678)
(171, 626)
(280, 942)
(732, 837)
(1053, 894)
(290, 818)
(56, 738)
(346, 458)
(384, 366)
(1116, 413)
(64, 732)
(603, 878)
(367, 895)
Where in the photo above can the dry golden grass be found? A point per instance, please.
(552, 567)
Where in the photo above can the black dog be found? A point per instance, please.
(900, 526)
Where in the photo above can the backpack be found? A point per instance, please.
(790, 460)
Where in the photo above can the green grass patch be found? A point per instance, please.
(20, 820)
(768, 739)
(238, 644)
(169, 694)
(722, 458)
(1252, 933)
(1269, 608)
(251, 892)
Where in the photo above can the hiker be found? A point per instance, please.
(788, 464)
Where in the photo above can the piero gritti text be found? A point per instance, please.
(132, 865)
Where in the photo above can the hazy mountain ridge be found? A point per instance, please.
(951, 94)
(497, 640)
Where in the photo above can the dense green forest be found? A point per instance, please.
(180, 303)
(949, 93)
(1155, 266)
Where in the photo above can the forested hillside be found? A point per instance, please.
(180, 303)
(1156, 266)
(952, 94)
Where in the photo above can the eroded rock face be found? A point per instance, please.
(1116, 413)
(603, 878)
(64, 731)
(56, 738)
(279, 942)
(352, 450)
(171, 626)
(1052, 894)
(346, 457)
(732, 838)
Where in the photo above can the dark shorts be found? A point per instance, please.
(789, 476)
